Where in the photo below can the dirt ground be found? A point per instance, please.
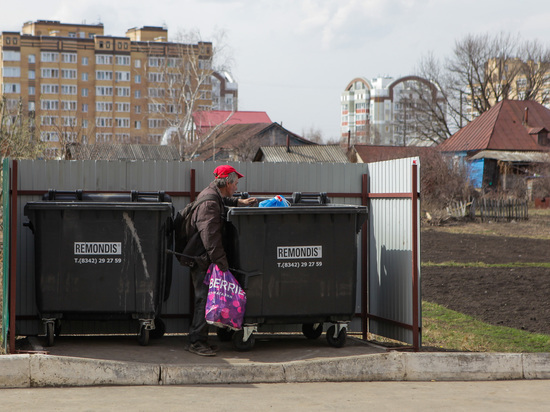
(515, 297)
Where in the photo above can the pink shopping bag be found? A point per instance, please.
(226, 300)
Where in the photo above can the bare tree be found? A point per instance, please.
(481, 71)
(535, 70)
(180, 84)
(66, 127)
(17, 133)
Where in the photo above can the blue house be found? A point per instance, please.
(502, 145)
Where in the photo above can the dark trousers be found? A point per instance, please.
(198, 332)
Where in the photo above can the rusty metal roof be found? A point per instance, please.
(369, 153)
(302, 154)
(517, 157)
(507, 126)
(108, 151)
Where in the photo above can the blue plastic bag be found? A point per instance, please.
(277, 201)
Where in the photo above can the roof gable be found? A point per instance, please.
(246, 139)
(506, 126)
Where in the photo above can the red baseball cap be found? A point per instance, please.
(224, 170)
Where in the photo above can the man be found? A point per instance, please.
(208, 219)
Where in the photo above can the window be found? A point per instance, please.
(137, 63)
(123, 107)
(155, 92)
(68, 89)
(103, 59)
(68, 73)
(122, 60)
(103, 137)
(49, 104)
(84, 61)
(31, 58)
(137, 124)
(49, 57)
(68, 121)
(46, 88)
(123, 91)
(72, 34)
(85, 123)
(84, 92)
(68, 105)
(104, 106)
(104, 122)
(49, 137)
(155, 107)
(137, 94)
(103, 75)
(32, 90)
(12, 88)
(47, 73)
(155, 77)
(137, 109)
(84, 107)
(156, 123)
(103, 91)
(11, 56)
(12, 71)
(32, 74)
(122, 122)
(122, 76)
(48, 120)
(68, 57)
(31, 106)
(84, 77)
(137, 78)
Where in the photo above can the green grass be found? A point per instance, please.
(488, 265)
(450, 330)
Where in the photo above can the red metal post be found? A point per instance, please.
(192, 191)
(364, 258)
(13, 255)
(416, 308)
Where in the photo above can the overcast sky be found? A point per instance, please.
(293, 58)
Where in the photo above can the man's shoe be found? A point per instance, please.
(201, 349)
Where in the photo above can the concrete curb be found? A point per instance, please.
(38, 370)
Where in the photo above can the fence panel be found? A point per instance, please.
(389, 248)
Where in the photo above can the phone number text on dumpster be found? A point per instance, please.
(297, 265)
(97, 261)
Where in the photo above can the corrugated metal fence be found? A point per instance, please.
(387, 187)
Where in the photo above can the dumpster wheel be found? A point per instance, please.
(50, 333)
(241, 345)
(312, 330)
(339, 340)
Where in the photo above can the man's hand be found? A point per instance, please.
(251, 201)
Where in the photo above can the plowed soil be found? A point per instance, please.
(517, 297)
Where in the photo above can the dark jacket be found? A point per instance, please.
(208, 219)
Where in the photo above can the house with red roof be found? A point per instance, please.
(503, 144)
(206, 121)
(240, 142)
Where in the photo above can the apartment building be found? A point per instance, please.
(80, 85)
(382, 111)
